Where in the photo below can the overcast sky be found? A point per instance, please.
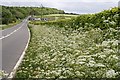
(74, 6)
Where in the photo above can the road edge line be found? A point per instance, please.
(12, 74)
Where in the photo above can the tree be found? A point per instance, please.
(6, 16)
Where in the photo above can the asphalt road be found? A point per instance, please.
(14, 41)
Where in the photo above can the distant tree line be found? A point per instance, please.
(11, 14)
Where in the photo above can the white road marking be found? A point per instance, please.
(12, 74)
(11, 32)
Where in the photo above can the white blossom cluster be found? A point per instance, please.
(111, 21)
(3, 74)
(58, 53)
(111, 73)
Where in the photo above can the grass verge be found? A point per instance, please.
(54, 52)
(9, 25)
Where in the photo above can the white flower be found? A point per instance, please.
(90, 64)
(54, 72)
(108, 18)
(3, 74)
(60, 54)
(105, 21)
(112, 29)
(115, 57)
(84, 59)
(72, 62)
(116, 16)
(63, 58)
(105, 43)
(108, 51)
(81, 62)
(47, 74)
(102, 56)
(115, 42)
(42, 70)
(103, 17)
(86, 23)
(92, 24)
(63, 69)
(99, 65)
(113, 23)
(59, 71)
(77, 73)
(110, 73)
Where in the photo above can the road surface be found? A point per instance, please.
(14, 41)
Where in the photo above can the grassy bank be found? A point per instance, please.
(58, 16)
(9, 25)
(82, 47)
(58, 53)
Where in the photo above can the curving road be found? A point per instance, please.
(14, 41)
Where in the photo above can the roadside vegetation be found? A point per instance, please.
(3, 74)
(53, 17)
(59, 15)
(4, 26)
(81, 47)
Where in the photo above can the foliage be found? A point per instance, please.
(10, 14)
(102, 20)
(82, 47)
(7, 16)
(58, 53)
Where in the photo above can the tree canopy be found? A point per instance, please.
(11, 14)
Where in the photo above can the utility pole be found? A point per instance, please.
(41, 11)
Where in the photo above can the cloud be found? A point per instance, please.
(86, 7)
(75, 6)
(60, 1)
